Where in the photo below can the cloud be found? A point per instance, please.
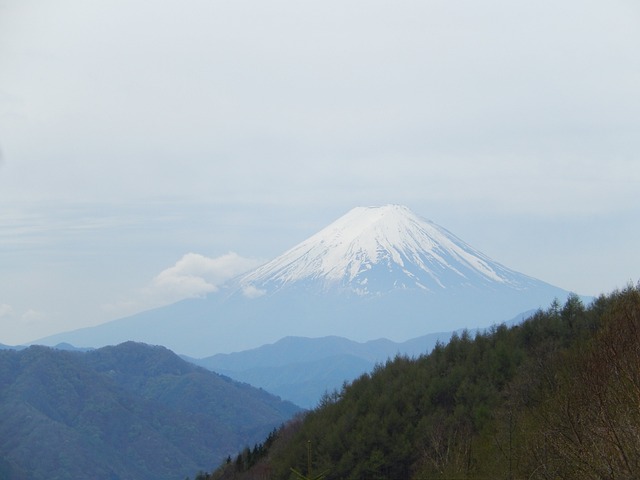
(32, 316)
(195, 275)
(5, 310)
(28, 317)
(250, 291)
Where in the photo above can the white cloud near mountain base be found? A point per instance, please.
(250, 291)
(192, 276)
(195, 275)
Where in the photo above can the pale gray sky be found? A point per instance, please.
(135, 133)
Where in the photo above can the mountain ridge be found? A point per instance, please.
(301, 369)
(126, 411)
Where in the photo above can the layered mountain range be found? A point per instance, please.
(376, 272)
(302, 370)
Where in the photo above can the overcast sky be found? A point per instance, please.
(151, 150)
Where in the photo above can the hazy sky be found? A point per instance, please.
(150, 150)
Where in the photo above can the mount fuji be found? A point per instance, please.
(374, 251)
(376, 272)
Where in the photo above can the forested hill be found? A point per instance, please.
(555, 397)
(126, 412)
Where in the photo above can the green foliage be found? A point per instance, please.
(588, 426)
(553, 397)
(130, 411)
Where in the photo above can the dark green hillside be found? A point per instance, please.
(555, 397)
(160, 375)
(130, 411)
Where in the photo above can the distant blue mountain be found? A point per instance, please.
(301, 369)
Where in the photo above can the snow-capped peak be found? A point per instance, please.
(376, 249)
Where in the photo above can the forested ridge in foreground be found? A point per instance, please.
(554, 397)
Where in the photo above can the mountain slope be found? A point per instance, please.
(130, 411)
(377, 272)
(378, 249)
